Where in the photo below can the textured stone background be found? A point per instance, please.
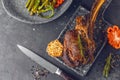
(14, 65)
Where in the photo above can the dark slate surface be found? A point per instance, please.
(14, 65)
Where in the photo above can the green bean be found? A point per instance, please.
(41, 7)
(31, 5)
(48, 8)
(27, 3)
(52, 12)
(44, 3)
(43, 11)
(34, 9)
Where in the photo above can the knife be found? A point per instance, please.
(44, 63)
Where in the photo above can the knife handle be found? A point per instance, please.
(65, 76)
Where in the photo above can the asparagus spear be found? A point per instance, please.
(107, 66)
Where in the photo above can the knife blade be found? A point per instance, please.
(44, 63)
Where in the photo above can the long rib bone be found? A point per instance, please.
(85, 27)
